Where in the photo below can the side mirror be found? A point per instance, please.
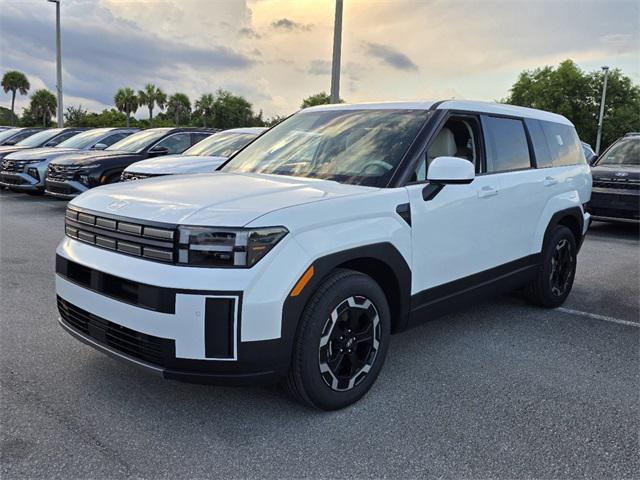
(10, 142)
(593, 160)
(451, 170)
(99, 146)
(159, 150)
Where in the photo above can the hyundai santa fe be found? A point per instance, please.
(338, 227)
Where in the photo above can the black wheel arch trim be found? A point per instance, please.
(373, 255)
(560, 218)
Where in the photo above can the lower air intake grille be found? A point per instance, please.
(145, 347)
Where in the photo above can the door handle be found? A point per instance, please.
(487, 191)
(549, 181)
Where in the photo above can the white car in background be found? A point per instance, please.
(204, 157)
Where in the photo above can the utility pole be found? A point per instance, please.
(337, 47)
(58, 64)
(605, 69)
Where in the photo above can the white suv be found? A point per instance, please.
(339, 226)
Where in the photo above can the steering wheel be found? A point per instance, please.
(377, 165)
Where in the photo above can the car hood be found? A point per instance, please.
(174, 164)
(38, 153)
(83, 158)
(215, 199)
(618, 172)
(7, 149)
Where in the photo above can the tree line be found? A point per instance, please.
(565, 89)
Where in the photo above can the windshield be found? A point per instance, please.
(222, 144)
(624, 152)
(85, 139)
(8, 134)
(349, 146)
(39, 138)
(139, 141)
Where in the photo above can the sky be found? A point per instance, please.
(276, 52)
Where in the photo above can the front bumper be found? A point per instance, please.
(20, 181)
(618, 205)
(157, 316)
(65, 190)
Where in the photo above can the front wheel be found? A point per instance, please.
(342, 341)
(554, 280)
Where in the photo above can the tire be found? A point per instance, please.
(329, 346)
(550, 288)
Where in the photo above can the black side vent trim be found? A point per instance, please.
(404, 210)
(220, 328)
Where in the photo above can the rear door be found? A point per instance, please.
(524, 190)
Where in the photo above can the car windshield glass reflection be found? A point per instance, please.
(85, 139)
(39, 138)
(221, 144)
(139, 141)
(625, 152)
(349, 146)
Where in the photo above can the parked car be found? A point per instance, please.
(589, 154)
(281, 267)
(616, 182)
(45, 138)
(12, 136)
(26, 170)
(204, 157)
(70, 175)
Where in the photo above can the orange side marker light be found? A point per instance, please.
(304, 279)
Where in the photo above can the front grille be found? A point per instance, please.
(15, 165)
(123, 236)
(127, 176)
(145, 347)
(62, 173)
(622, 184)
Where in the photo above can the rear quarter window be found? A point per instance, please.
(539, 142)
(564, 144)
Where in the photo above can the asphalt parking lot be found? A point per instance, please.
(502, 390)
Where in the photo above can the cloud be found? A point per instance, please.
(285, 24)
(248, 32)
(319, 67)
(390, 56)
(105, 53)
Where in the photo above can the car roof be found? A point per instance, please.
(461, 105)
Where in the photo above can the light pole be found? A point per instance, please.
(58, 63)
(605, 69)
(337, 47)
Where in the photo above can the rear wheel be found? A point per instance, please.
(342, 341)
(553, 283)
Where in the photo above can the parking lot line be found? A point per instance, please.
(596, 316)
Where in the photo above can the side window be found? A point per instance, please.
(459, 137)
(176, 143)
(539, 141)
(60, 138)
(198, 137)
(507, 146)
(564, 144)
(111, 139)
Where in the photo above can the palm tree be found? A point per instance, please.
(43, 105)
(14, 81)
(179, 107)
(126, 101)
(152, 96)
(205, 107)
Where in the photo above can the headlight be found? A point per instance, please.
(226, 247)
